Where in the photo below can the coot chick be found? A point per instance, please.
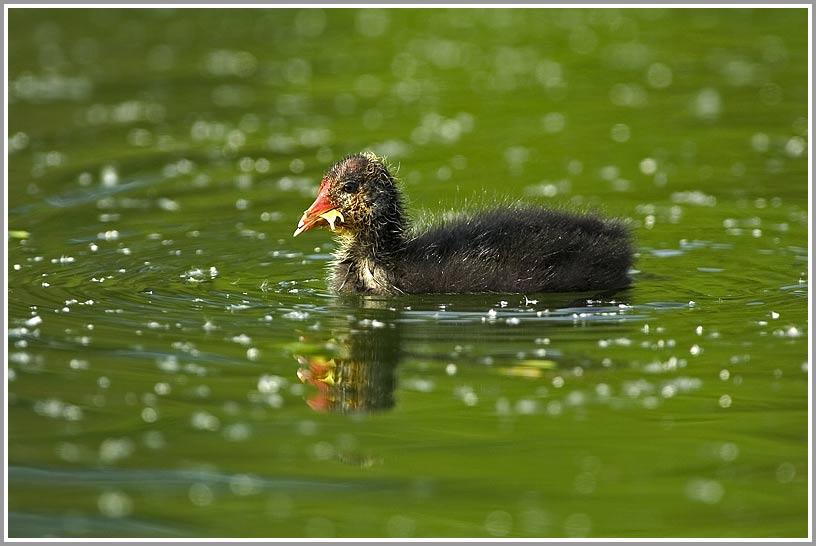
(510, 249)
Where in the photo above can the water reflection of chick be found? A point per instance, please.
(361, 377)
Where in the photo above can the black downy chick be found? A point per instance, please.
(510, 249)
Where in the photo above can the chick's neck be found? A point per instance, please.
(378, 241)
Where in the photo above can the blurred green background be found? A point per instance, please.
(178, 368)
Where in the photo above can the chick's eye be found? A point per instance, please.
(350, 186)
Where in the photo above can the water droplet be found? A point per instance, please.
(785, 473)
(200, 494)
(372, 22)
(648, 166)
(706, 491)
(498, 523)
(707, 104)
(553, 122)
(578, 525)
(109, 176)
(620, 132)
(659, 76)
(729, 452)
(400, 526)
(114, 504)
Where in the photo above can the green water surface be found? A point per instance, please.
(178, 368)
